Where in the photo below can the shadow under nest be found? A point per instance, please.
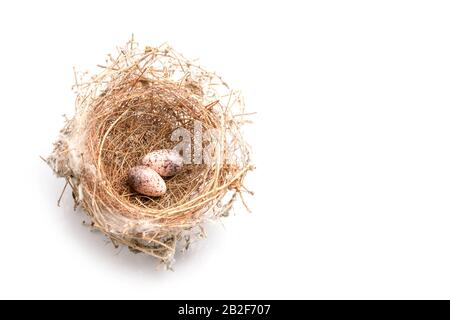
(133, 107)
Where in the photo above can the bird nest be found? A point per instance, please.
(146, 99)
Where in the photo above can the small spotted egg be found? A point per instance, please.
(166, 162)
(146, 181)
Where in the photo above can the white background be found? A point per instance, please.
(351, 144)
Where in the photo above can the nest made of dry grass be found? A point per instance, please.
(131, 107)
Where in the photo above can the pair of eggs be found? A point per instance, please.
(146, 178)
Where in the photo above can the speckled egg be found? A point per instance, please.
(146, 181)
(166, 162)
